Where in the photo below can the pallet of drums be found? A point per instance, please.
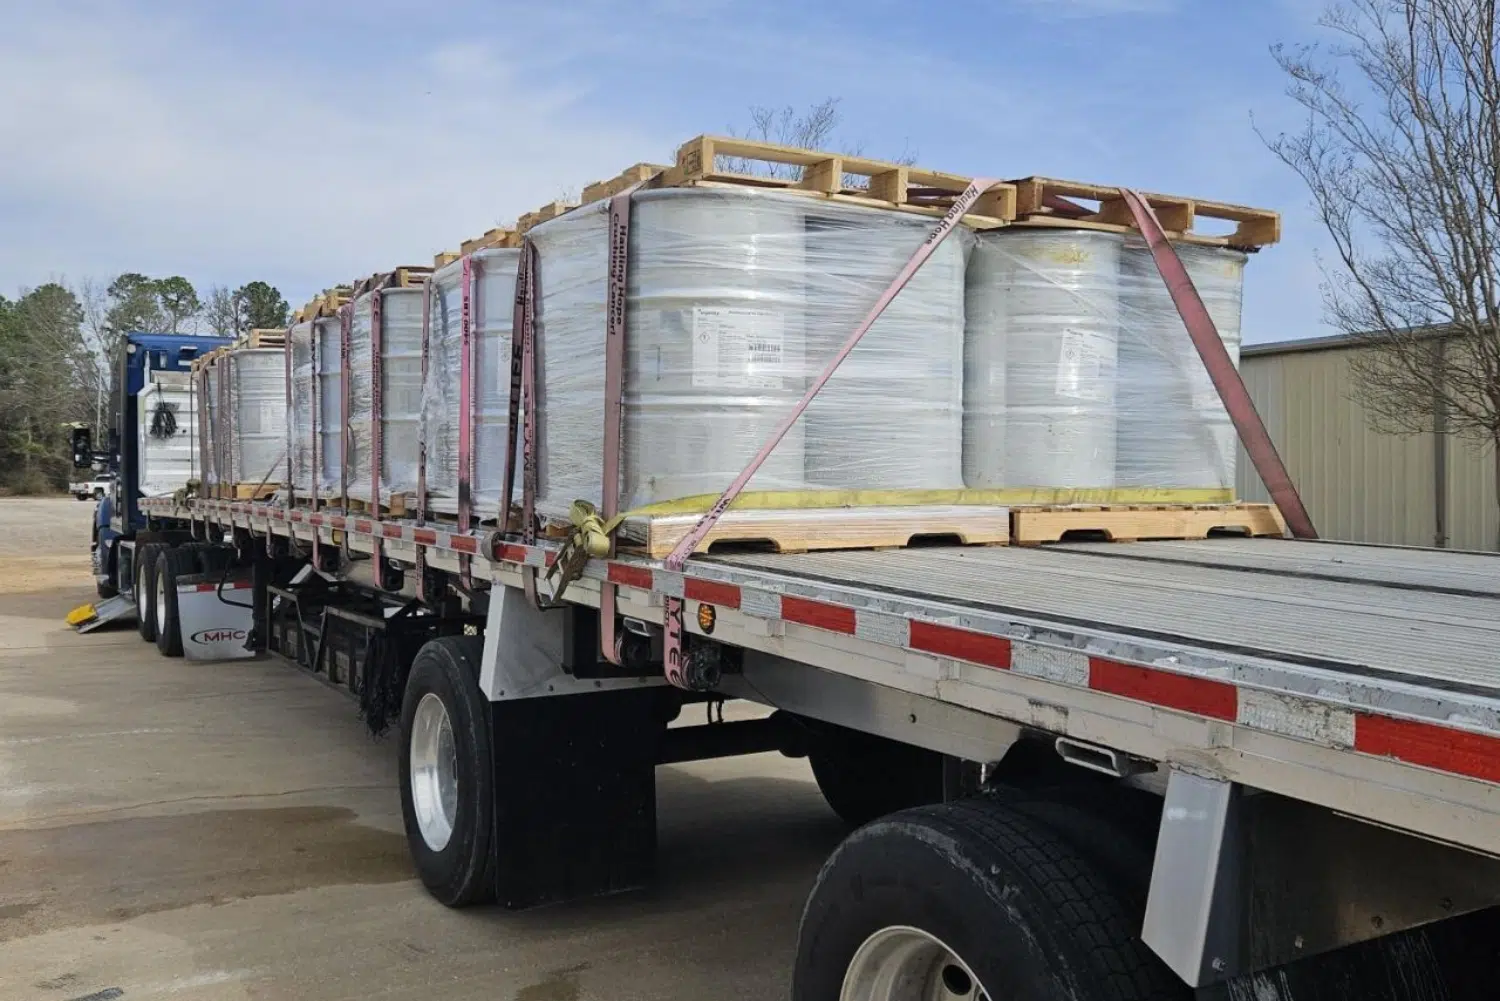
(1032, 382)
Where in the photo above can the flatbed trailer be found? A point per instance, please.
(1310, 730)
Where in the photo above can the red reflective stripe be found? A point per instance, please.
(362, 526)
(816, 613)
(391, 531)
(424, 536)
(1162, 688)
(1458, 751)
(713, 592)
(511, 553)
(463, 543)
(620, 573)
(961, 644)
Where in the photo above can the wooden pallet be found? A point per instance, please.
(551, 210)
(1130, 522)
(261, 338)
(246, 491)
(500, 236)
(327, 304)
(638, 173)
(393, 505)
(1068, 203)
(406, 276)
(802, 530)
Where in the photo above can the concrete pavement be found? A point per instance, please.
(182, 830)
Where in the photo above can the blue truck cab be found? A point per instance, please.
(118, 518)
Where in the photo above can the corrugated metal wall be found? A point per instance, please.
(1358, 483)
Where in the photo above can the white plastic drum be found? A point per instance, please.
(400, 388)
(330, 365)
(1174, 430)
(300, 431)
(257, 396)
(714, 360)
(215, 425)
(494, 309)
(360, 371)
(1044, 325)
(891, 417)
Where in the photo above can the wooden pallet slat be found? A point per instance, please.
(500, 236)
(638, 173)
(251, 491)
(804, 530)
(1123, 523)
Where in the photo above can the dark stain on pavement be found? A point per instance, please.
(557, 985)
(96, 872)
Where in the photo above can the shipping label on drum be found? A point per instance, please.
(737, 348)
(1086, 366)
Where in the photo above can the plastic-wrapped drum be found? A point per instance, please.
(257, 400)
(330, 425)
(300, 430)
(1044, 324)
(891, 416)
(400, 391)
(494, 309)
(1174, 430)
(714, 357)
(214, 432)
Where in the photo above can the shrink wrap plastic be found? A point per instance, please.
(493, 304)
(215, 432)
(330, 416)
(400, 392)
(736, 298)
(1174, 430)
(257, 425)
(1040, 359)
(1079, 372)
(302, 424)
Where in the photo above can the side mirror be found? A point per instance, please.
(83, 448)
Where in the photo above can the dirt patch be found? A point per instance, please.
(29, 574)
(110, 871)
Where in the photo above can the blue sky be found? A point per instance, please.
(307, 143)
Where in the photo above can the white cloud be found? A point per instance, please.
(161, 148)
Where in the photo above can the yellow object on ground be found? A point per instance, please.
(81, 614)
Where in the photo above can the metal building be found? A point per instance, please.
(1361, 484)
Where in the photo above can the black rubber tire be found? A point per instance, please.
(863, 776)
(146, 558)
(172, 564)
(462, 873)
(1030, 916)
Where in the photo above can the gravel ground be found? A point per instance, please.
(44, 543)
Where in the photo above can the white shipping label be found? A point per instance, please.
(737, 348)
(1084, 366)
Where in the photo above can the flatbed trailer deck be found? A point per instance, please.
(1356, 688)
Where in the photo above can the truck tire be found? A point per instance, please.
(170, 565)
(863, 776)
(447, 786)
(145, 589)
(970, 899)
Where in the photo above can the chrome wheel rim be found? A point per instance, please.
(901, 963)
(140, 591)
(161, 600)
(434, 772)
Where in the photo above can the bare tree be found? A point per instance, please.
(816, 128)
(1401, 152)
(222, 312)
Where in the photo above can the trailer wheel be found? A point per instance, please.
(171, 564)
(863, 776)
(145, 590)
(970, 900)
(447, 787)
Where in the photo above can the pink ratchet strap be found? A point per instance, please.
(614, 378)
(673, 656)
(421, 550)
(523, 387)
(1221, 369)
(465, 408)
(315, 424)
(377, 404)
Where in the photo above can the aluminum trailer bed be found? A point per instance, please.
(1331, 709)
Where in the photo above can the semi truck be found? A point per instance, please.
(1232, 768)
